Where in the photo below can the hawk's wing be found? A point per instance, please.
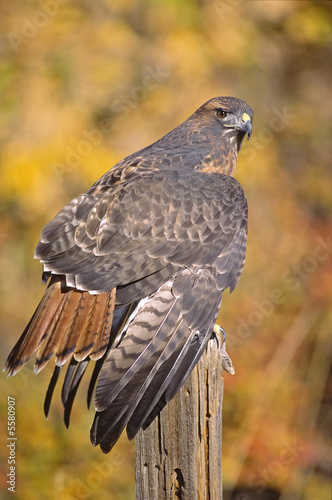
(169, 243)
(140, 232)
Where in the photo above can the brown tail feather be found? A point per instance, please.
(35, 332)
(54, 334)
(70, 324)
(104, 328)
(67, 323)
(87, 339)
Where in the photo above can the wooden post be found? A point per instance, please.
(179, 455)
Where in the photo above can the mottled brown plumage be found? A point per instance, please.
(137, 267)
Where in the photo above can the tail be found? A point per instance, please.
(67, 323)
(70, 325)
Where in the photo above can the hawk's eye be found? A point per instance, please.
(221, 113)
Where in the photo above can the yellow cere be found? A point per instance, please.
(245, 117)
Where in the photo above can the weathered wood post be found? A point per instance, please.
(179, 455)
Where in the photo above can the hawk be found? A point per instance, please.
(136, 269)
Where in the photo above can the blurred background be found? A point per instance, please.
(85, 83)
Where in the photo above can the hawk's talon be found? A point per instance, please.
(225, 359)
(219, 329)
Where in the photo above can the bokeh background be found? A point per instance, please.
(85, 83)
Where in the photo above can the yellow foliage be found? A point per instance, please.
(310, 25)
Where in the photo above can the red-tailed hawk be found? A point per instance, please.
(136, 269)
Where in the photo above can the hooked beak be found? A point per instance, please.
(245, 125)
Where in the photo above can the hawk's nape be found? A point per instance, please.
(136, 268)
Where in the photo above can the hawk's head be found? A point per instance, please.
(232, 116)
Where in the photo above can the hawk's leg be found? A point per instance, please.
(225, 359)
